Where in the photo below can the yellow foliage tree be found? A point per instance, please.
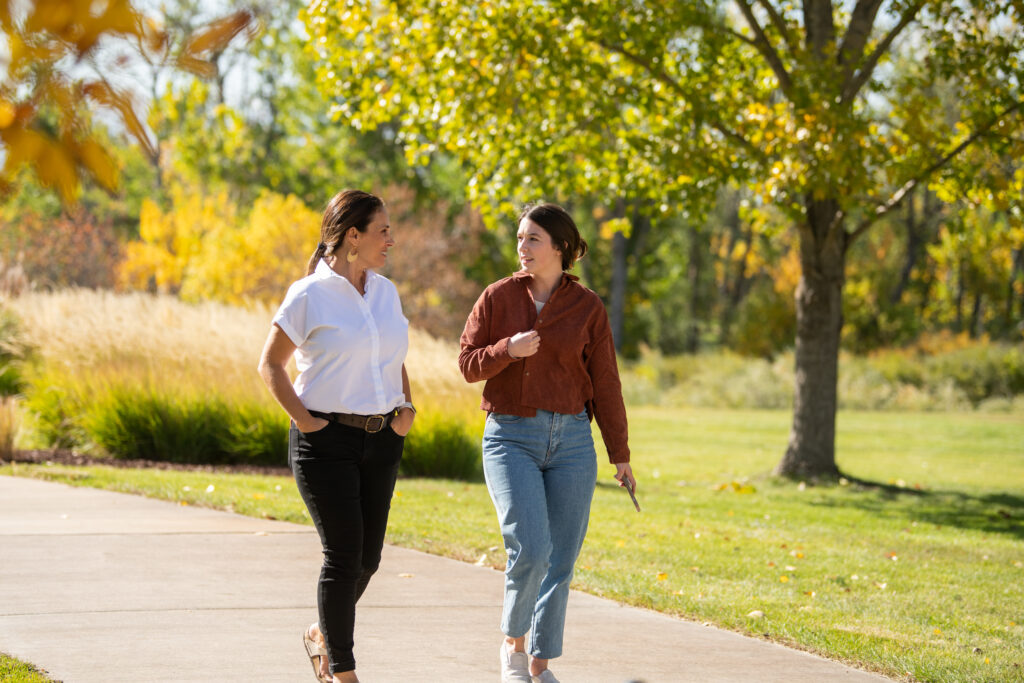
(255, 260)
(202, 249)
(54, 65)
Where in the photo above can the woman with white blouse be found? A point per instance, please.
(350, 407)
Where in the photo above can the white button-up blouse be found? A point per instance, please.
(350, 348)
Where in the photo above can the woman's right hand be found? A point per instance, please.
(315, 424)
(524, 344)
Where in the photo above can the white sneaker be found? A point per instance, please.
(515, 666)
(545, 677)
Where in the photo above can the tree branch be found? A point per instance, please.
(820, 26)
(662, 77)
(851, 47)
(766, 49)
(779, 23)
(857, 80)
(897, 198)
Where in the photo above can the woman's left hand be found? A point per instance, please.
(624, 470)
(402, 422)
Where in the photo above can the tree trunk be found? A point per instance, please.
(977, 320)
(914, 248)
(811, 450)
(1018, 267)
(733, 293)
(618, 288)
(693, 273)
(960, 293)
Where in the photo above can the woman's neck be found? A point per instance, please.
(352, 272)
(543, 285)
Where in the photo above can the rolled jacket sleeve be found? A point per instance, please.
(480, 359)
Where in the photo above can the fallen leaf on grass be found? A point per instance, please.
(736, 487)
(784, 579)
(482, 561)
(756, 614)
(662, 576)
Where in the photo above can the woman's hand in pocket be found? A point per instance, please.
(315, 424)
(402, 422)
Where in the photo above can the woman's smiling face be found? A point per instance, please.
(537, 252)
(375, 242)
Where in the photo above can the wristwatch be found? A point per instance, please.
(407, 404)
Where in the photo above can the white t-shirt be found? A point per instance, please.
(350, 347)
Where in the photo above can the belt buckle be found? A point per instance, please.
(383, 422)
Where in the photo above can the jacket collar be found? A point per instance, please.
(521, 275)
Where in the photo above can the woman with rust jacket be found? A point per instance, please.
(544, 346)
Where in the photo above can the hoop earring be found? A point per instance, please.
(351, 256)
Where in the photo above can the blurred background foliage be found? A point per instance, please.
(188, 152)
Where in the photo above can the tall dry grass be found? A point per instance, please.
(158, 340)
(148, 376)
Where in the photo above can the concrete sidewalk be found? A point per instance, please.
(100, 586)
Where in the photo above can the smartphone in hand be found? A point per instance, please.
(629, 489)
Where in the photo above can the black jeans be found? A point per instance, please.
(346, 476)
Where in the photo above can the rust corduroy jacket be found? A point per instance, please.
(575, 367)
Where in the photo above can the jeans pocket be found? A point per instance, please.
(582, 416)
(505, 419)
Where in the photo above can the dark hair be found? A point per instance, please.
(347, 209)
(557, 222)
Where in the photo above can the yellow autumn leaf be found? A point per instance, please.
(7, 114)
(783, 579)
(99, 163)
(610, 227)
(662, 576)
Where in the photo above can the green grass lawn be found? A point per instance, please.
(920, 577)
(14, 671)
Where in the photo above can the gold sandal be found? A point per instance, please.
(315, 652)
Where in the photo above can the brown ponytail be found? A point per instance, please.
(347, 209)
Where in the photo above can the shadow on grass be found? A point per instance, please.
(998, 513)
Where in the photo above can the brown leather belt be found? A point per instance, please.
(369, 423)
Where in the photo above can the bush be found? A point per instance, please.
(131, 421)
(14, 352)
(442, 445)
(953, 374)
(8, 426)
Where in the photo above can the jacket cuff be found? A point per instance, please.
(501, 349)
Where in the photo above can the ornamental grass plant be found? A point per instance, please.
(138, 376)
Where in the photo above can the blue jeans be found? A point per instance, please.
(541, 472)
